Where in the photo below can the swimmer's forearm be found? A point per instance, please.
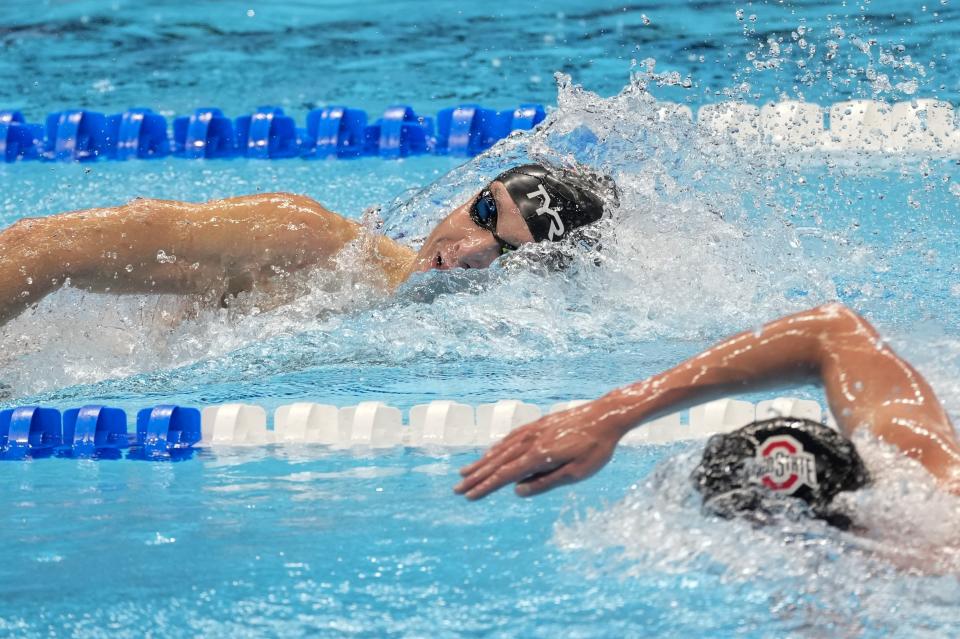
(780, 354)
(866, 383)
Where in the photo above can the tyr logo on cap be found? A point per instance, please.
(783, 466)
(556, 224)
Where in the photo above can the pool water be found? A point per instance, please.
(708, 240)
(175, 55)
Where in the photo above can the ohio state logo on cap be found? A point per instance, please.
(783, 466)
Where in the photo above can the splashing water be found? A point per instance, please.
(810, 575)
(708, 239)
(704, 241)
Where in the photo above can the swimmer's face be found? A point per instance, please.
(459, 242)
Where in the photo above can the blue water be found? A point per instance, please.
(709, 240)
(304, 542)
(175, 56)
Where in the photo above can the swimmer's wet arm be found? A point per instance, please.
(865, 382)
(156, 246)
(568, 446)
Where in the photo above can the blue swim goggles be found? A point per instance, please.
(484, 214)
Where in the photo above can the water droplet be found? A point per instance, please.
(160, 540)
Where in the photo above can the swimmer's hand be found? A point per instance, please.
(558, 449)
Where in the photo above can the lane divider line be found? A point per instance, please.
(169, 432)
(921, 126)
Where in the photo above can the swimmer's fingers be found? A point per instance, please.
(515, 471)
(541, 483)
(570, 473)
(507, 443)
(487, 466)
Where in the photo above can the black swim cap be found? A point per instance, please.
(554, 202)
(741, 472)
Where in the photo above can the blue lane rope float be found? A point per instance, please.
(167, 431)
(77, 135)
(205, 134)
(98, 432)
(338, 131)
(94, 431)
(29, 431)
(400, 132)
(18, 139)
(141, 134)
(268, 134)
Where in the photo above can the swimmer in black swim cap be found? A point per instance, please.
(528, 203)
(239, 244)
(867, 386)
(749, 472)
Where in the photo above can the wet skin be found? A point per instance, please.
(223, 247)
(866, 383)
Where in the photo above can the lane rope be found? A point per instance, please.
(169, 432)
(920, 126)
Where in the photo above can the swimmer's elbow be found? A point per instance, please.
(841, 321)
(837, 311)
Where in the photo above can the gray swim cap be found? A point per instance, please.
(743, 471)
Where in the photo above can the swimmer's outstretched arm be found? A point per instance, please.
(866, 383)
(157, 246)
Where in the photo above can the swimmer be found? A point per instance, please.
(867, 387)
(224, 247)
